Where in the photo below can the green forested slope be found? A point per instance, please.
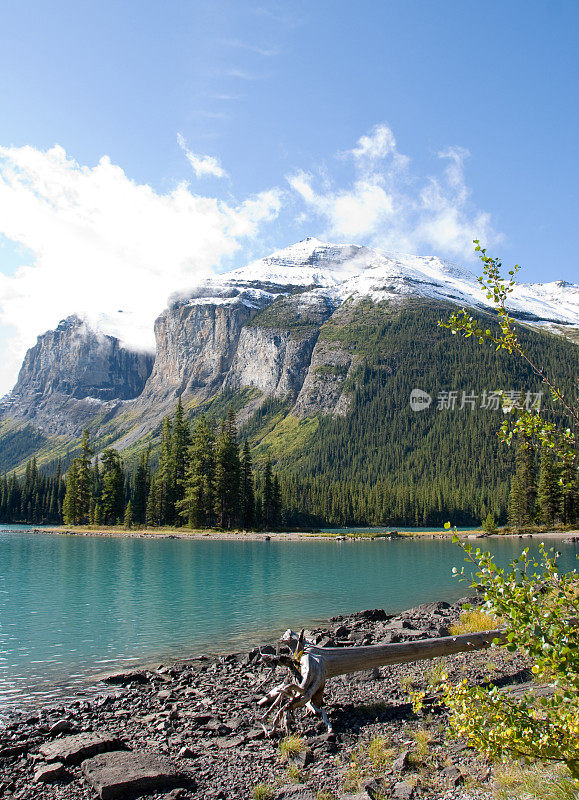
(382, 462)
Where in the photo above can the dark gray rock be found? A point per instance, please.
(303, 758)
(51, 773)
(14, 750)
(372, 615)
(453, 775)
(74, 749)
(375, 789)
(124, 678)
(187, 752)
(403, 790)
(61, 726)
(400, 764)
(116, 774)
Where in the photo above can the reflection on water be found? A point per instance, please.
(73, 607)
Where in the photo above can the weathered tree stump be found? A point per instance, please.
(311, 666)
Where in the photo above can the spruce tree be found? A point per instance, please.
(113, 482)
(523, 496)
(549, 491)
(153, 512)
(197, 504)
(246, 490)
(227, 473)
(71, 507)
(569, 501)
(84, 478)
(128, 519)
(517, 508)
(277, 505)
(268, 497)
(165, 476)
(140, 491)
(180, 442)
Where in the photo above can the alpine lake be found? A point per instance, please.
(73, 608)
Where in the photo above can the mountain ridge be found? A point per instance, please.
(292, 326)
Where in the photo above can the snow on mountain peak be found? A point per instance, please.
(341, 271)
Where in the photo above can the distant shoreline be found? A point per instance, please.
(293, 536)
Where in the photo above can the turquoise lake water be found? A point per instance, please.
(72, 607)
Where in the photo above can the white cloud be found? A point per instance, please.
(387, 207)
(202, 165)
(379, 143)
(353, 214)
(102, 244)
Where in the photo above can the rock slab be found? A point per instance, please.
(121, 773)
(51, 773)
(74, 749)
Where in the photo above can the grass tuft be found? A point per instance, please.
(369, 760)
(262, 791)
(294, 774)
(515, 781)
(474, 621)
(291, 744)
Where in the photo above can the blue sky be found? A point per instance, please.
(231, 129)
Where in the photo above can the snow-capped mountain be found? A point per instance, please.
(286, 326)
(342, 271)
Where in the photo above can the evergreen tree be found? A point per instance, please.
(84, 478)
(166, 476)
(227, 473)
(268, 497)
(569, 501)
(180, 442)
(489, 525)
(153, 512)
(523, 496)
(128, 519)
(71, 506)
(198, 502)
(276, 505)
(549, 491)
(517, 509)
(113, 482)
(246, 490)
(140, 490)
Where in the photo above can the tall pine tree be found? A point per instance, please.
(197, 507)
(549, 491)
(246, 490)
(227, 473)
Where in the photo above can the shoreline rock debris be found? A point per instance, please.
(187, 732)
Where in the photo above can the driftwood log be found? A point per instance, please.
(311, 666)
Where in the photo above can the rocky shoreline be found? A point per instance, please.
(295, 535)
(192, 731)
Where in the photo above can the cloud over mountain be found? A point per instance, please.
(106, 247)
(388, 207)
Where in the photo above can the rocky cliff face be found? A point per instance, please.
(196, 344)
(275, 348)
(72, 372)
